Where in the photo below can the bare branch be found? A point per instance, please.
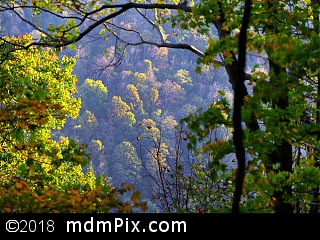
(55, 42)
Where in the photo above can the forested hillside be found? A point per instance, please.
(194, 107)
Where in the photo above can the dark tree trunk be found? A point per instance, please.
(239, 93)
(282, 153)
(283, 149)
(232, 69)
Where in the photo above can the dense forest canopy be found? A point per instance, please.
(159, 106)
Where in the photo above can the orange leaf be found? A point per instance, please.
(226, 28)
(135, 197)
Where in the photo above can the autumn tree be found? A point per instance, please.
(126, 165)
(94, 96)
(38, 172)
(172, 94)
(121, 111)
(133, 98)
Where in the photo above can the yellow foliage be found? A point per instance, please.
(225, 27)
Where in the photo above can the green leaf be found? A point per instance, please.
(23, 169)
(102, 31)
(222, 93)
(73, 47)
